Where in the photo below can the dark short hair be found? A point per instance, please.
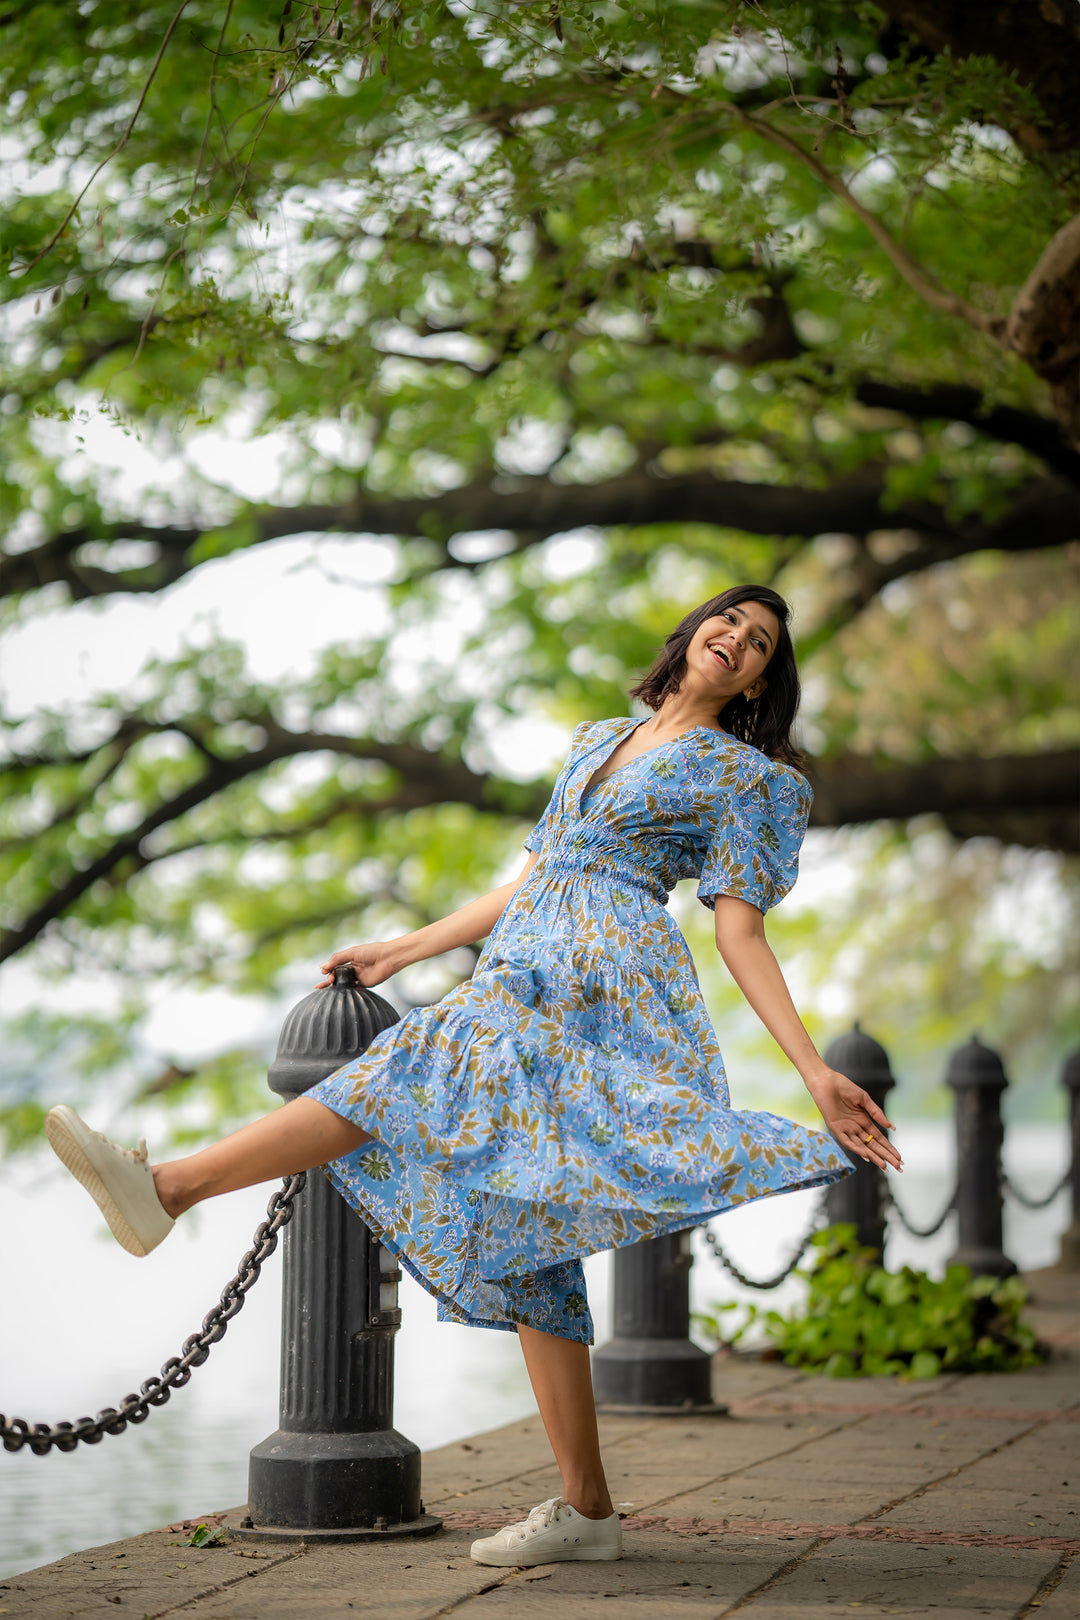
(765, 722)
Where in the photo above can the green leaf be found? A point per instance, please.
(202, 1536)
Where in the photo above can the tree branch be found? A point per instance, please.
(1044, 514)
(110, 760)
(23, 269)
(1038, 44)
(1041, 327)
(950, 402)
(1026, 798)
(1022, 798)
(915, 274)
(1044, 322)
(433, 777)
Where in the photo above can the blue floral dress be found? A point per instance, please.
(570, 1096)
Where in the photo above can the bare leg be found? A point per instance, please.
(297, 1137)
(562, 1383)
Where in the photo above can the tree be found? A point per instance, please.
(786, 293)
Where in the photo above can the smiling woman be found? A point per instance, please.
(570, 1097)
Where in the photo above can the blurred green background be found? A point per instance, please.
(381, 383)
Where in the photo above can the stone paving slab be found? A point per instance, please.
(429, 1578)
(1051, 1385)
(803, 1507)
(1051, 1446)
(1063, 1603)
(918, 1583)
(149, 1574)
(989, 1512)
(661, 1577)
(840, 1393)
(739, 1377)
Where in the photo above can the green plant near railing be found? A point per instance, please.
(860, 1320)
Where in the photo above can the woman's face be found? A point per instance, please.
(730, 652)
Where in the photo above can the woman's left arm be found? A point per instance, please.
(850, 1113)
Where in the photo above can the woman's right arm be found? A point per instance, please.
(374, 963)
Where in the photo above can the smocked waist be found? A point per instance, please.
(603, 866)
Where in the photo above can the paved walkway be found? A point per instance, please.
(952, 1498)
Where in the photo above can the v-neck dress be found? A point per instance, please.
(570, 1096)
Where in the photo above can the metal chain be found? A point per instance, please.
(764, 1284)
(41, 1437)
(920, 1231)
(1010, 1187)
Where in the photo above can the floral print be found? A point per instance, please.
(570, 1096)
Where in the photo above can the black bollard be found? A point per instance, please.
(1070, 1238)
(336, 1469)
(858, 1200)
(651, 1365)
(977, 1076)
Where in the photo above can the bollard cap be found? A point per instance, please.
(326, 1030)
(976, 1065)
(1070, 1074)
(862, 1059)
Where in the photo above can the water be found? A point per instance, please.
(84, 1323)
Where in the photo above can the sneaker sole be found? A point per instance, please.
(63, 1127)
(587, 1555)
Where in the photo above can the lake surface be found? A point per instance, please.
(84, 1323)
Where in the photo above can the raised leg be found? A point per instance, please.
(297, 1137)
(562, 1383)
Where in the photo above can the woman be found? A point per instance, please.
(569, 1097)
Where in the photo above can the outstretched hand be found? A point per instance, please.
(373, 963)
(855, 1120)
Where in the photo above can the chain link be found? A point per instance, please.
(920, 1231)
(1013, 1190)
(41, 1437)
(763, 1285)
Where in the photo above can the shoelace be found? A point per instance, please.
(542, 1517)
(137, 1155)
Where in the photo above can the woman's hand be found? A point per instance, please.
(373, 963)
(855, 1119)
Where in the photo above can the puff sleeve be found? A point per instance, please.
(754, 850)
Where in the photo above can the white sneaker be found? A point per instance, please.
(553, 1533)
(118, 1179)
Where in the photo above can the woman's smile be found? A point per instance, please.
(723, 655)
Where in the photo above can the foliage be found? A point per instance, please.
(860, 1320)
(546, 321)
(203, 1536)
(457, 226)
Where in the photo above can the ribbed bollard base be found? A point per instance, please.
(334, 1483)
(670, 1376)
(239, 1527)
